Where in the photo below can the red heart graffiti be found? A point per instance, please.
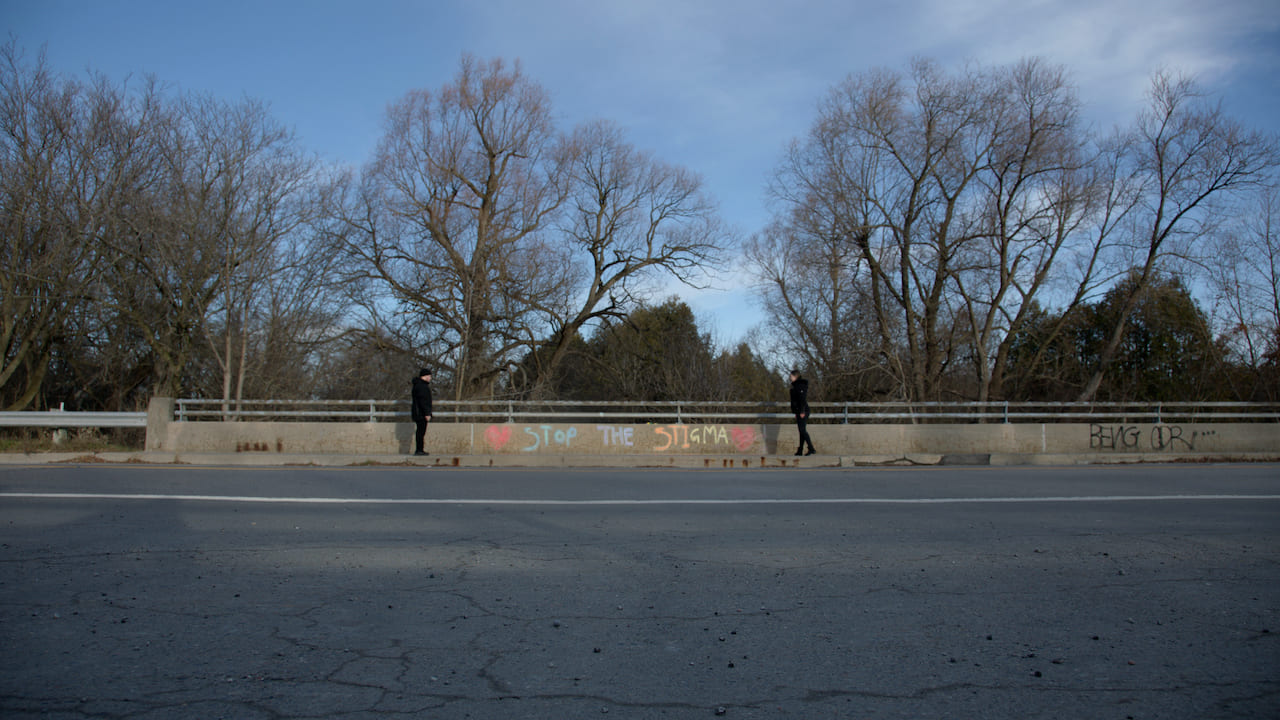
(743, 437)
(497, 435)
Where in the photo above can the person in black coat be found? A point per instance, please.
(421, 410)
(800, 408)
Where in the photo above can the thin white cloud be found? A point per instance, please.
(1112, 47)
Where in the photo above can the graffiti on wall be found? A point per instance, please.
(686, 437)
(1141, 438)
(533, 437)
(623, 438)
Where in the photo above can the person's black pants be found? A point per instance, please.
(419, 433)
(801, 422)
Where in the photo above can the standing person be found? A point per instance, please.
(800, 408)
(421, 410)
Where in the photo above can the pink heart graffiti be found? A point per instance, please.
(743, 437)
(497, 435)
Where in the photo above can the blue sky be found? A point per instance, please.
(718, 86)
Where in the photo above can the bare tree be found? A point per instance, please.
(1096, 205)
(891, 168)
(629, 217)
(264, 183)
(152, 244)
(447, 222)
(486, 238)
(1191, 160)
(42, 263)
(296, 316)
(819, 304)
(974, 200)
(1245, 276)
(200, 236)
(1038, 201)
(72, 157)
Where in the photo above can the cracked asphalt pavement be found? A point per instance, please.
(204, 592)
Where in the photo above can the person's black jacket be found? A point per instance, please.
(421, 399)
(800, 397)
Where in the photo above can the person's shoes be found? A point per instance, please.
(799, 453)
(421, 453)
(811, 451)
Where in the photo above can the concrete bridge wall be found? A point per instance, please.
(447, 438)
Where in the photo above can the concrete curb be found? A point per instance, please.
(688, 462)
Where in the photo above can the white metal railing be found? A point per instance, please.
(709, 411)
(68, 419)
(678, 412)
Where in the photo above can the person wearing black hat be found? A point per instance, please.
(800, 408)
(421, 410)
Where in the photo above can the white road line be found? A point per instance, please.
(668, 501)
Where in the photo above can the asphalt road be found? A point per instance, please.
(1085, 592)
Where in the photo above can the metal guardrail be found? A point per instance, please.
(681, 412)
(69, 419)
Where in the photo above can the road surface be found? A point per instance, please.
(949, 592)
